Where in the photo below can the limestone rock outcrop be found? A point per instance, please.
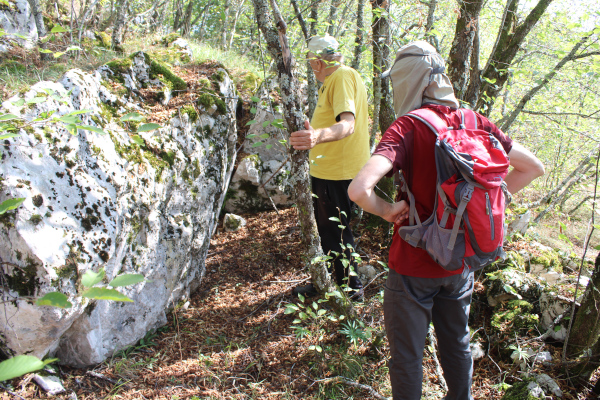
(128, 201)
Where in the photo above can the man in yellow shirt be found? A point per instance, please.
(338, 140)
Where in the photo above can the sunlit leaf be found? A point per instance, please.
(91, 128)
(251, 122)
(21, 365)
(257, 144)
(58, 54)
(132, 117)
(255, 99)
(100, 293)
(18, 103)
(264, 136)
(90, 278)
(266, 123)
(46, 51)
(8, 117)
(69, 119)
(9, 135)
(54, 299)
(148, 127)
(59, 29)
(253, 110)
(137, 140)
(36, 100)
(268, 146)
(126, 280)
(71, 48)
(10, 204)
(77, 112)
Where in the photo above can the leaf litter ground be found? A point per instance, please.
(232, 339)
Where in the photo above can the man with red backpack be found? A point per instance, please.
(418, 289)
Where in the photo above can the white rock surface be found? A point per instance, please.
(99, 201)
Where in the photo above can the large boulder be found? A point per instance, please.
(261, 179)
(128, 204)
(17, 21)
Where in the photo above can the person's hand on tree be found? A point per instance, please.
(304, 139)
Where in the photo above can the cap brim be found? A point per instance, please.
(385, 74)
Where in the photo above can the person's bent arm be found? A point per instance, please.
(362, 191)
(309, 137)
(526, 167)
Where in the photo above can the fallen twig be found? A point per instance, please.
(100, 376)
(438, 367)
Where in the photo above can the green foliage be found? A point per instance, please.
(21, 365)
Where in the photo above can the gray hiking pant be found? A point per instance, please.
(409, 305)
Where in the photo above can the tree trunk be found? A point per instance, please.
(472, 92)
(178, 13)
(117, 35)
(381, 51)
(511, 37)
(226, 7)
(186, 25)
(235, 21)
(585, 330)
(278, 47)
(387, 115)
(38, 17)
(310, 76)
(332, 16)
(461, 53)
(359, 42)
(431, 39)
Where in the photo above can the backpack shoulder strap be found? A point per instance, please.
(429, 118)
(468, 118)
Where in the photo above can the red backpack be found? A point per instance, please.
(466, 228)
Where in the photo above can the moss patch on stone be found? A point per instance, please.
(103, 39)
(158, 70)
(191, 112)
(515, 314)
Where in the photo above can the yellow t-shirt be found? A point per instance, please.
(342, 91)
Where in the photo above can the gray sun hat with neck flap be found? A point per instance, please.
(321, 45)
(418, 78)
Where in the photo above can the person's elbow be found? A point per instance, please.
(356, 192)
(538, 169)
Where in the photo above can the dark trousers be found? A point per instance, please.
(409, 305)
(332, 201)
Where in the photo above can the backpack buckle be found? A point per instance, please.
(467, 194)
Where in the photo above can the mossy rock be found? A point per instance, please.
(549, 259)
(103, 39)
(515, 315)
(191, 112)
(158, 69)
(519, 391)
(250, 82)
(170, 38)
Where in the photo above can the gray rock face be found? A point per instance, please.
(261, 178)
(97, 201)
(16, 19)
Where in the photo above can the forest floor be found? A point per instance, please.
(233, 339)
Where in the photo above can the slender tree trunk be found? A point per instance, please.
(387, 115)
(38, 17)
(381, 40)
(278, 47)
(117, 35)
(461, 52)
(178, 6)
(510, 39)
(332, 16)
(310, 76)
(226, 8)
(359, 42)
(432, 39)
(186, 25)
(472, 92)
(235, 21)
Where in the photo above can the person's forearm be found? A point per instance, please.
(337, 131)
